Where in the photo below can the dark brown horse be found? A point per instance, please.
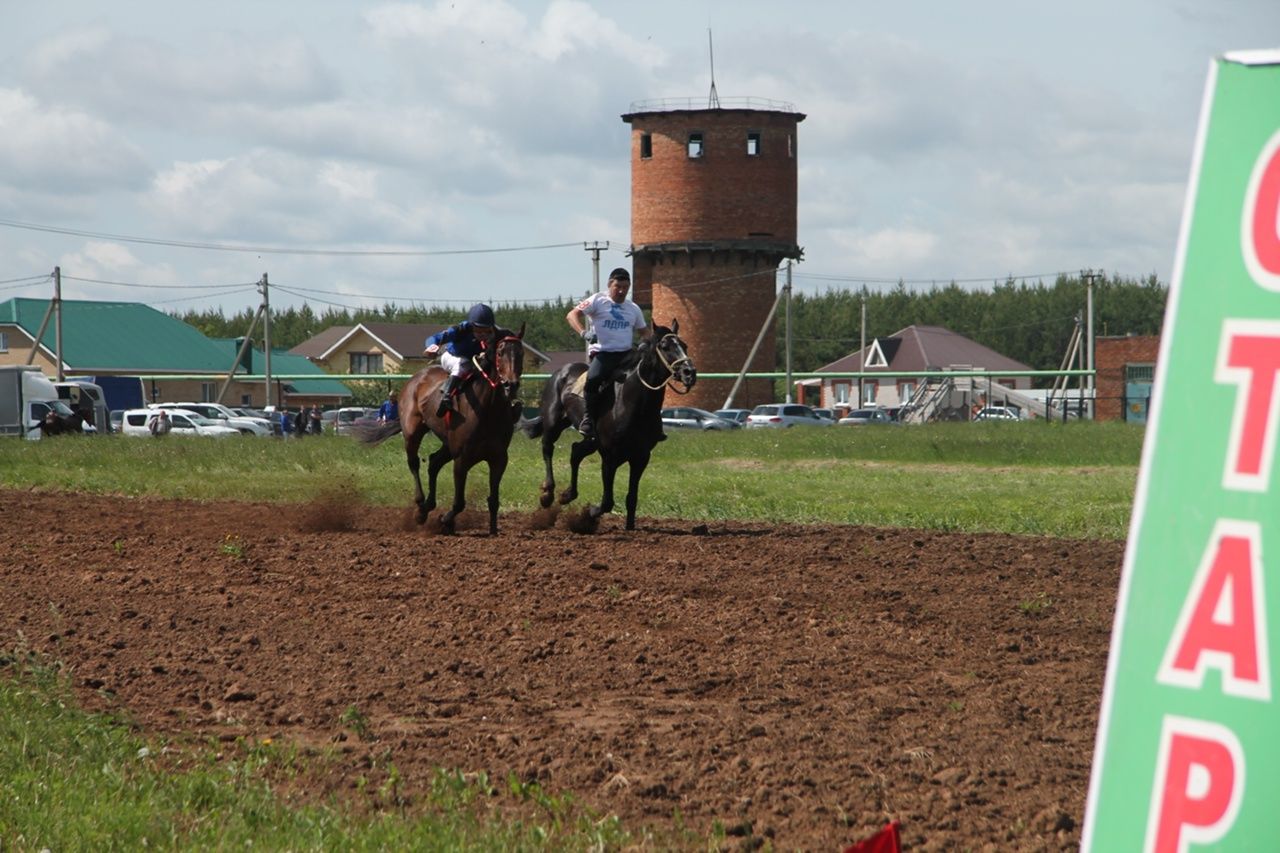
(54, 423)
(477, 429)
(627, 432)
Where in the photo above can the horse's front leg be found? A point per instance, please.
(496, 467)
(638, 464)
(435, 462)
(412, 443)
(460, 472)
(608, 470)
(577, 452)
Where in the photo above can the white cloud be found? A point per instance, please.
(62, 150)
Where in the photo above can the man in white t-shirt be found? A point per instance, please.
(613, 320)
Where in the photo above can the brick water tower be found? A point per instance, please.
(713, 214)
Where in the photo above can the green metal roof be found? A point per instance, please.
(118, 337)
(285, 364)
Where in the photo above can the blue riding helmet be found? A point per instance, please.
(481, 315)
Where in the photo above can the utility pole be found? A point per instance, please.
(57, 318)
(266, 334)
(862, 347)
(1089, 277)
(595, 248)
(788, 339)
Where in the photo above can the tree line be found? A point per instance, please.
(1032, 323)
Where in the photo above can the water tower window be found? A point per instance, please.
(695, 145)
(753, 144)
(646, 146)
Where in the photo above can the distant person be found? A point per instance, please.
(160, 423)
(613, 319)
(286, 422)
(317, 423)
(389, 411)
(456, 346)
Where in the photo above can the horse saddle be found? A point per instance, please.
(579, 385)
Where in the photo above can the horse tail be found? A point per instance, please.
(375, 433)
(531, 427)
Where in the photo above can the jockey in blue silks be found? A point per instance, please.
(456, 346)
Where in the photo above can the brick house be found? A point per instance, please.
(1125, 372)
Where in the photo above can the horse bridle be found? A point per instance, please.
(669, 365)
(511, 387)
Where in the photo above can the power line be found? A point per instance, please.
(860, 279)
(302, 292)
(250, 289)
(29, 278)
(66, 277)
(277, 250)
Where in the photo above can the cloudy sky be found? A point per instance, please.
(366, 153)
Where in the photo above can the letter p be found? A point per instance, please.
(1198, 786)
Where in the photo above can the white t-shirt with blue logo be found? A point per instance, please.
(613, 322)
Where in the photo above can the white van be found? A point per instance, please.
(136, 422)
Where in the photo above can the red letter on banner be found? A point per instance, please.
(1260, 228)
(1198, 788)
(1223, 623)
(1249, 357)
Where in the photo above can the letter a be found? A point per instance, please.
(1223, 622)
(1198, 787)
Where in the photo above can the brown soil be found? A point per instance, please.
(797, 684)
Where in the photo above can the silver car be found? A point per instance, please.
(861, 417)
(778, 415)
(687, 417)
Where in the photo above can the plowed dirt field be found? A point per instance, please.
(800, 685)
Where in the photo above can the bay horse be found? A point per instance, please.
(478, 428)
(627, 431)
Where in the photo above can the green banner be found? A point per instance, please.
(1188, 749)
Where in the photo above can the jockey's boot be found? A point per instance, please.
(446, 396)
(587, 427)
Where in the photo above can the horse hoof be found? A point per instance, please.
(545, 499)
(568, 497)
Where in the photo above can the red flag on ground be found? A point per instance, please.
(884, 841)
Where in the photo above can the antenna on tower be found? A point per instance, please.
(713, 102)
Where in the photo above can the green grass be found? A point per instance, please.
(79, 781)
(1073, 480)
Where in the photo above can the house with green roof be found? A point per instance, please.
(128, 348)
(321, 391)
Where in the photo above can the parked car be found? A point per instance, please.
(860, 417)
(825, 413)
(779, 415)
(997, 413)
(184, 422)
(687, 417)
(117, 418)
(738, 416)
(246, 412)
(223, 416)
(348, 415)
